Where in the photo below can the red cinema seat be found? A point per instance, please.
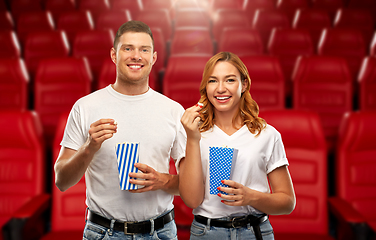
(241, 41)
(59, 83)
(215, 5)
(367, 84)
(134, 6)
(290, 6)
(6, 20)
(31, 22)
(353, 204)
(20, 7)
(160, 4)
(68, 208)
(224, 18)
(323, 84)
(192, 18)
(14, 82)
(73, 22)
(160, 48)
(42, 45)
(360, 19)
(346, 43)
(267, 81)
(95, 45)
(9, 45)
(183, 218)
(107, 76)
(192, 40)
(373, 46)
(57, 7)
(314, 21)
(94, 6)
(112, 19)
(157, 18)
(329, 5)
(265, 20)
(288, 44)
(304, 142)
(369, 5)
(3, 6)
(250, 6)
(23, 176)
(183, 76)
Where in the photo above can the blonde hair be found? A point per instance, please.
(248, 108)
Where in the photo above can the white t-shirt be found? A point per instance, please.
(257, 156)
(151, 119)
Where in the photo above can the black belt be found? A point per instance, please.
(236, 222)
(132, 227)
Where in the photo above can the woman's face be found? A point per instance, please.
(225, 87)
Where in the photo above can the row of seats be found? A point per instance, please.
(24, 198)
(320, 83)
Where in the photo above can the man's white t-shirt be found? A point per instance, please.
(257, 156)
(150, 119)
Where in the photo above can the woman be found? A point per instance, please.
(228, 116)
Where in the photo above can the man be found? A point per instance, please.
(127, 111)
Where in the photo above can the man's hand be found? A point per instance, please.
(153, 180)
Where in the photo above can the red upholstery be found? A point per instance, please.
(290, 6)
(73, 22)
(355, 168)
(22, 157)
(112, 19)
(314, 21)
(94, 6)
(6, 20)
(265, 20)
(250, 6)
(288, 44)
(215, 5)
(304, 142)
(68, 208)
(158, 18)
(57, 7)
(373, 46)
(14, 80)
(19, 7)
(31, 22)
(224, 18)
(134, 6)
(192, 40)
(323, 84)
(329, 5)
(95, 45)
(59, 83)
(192, 18)
(3, 6)
(360, 19)
(107, 76)
(160, 47)
(267, 81)
(369, 5)
(160, 4)
(183, 76)
(183, 218)
(241, 41)
(346, 43)
(9, 45)
(367, 84)
(42, 45)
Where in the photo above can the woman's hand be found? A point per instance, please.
(238, 195)
(190, 121)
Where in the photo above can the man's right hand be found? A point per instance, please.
(100, 131)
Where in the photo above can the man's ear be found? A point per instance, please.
(113, 55)
(154, 57)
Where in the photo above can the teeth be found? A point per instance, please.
(222, 98)
(134, 66)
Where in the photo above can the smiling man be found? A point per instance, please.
(130, 112)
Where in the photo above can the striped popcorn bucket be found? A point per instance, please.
(127, 155)
(221, 164)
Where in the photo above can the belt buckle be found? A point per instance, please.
(233, 221)
(126, 228)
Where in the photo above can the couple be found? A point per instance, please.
(129, 111)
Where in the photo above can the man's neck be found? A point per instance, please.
(131, 89)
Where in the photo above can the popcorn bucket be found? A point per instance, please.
(127, 155)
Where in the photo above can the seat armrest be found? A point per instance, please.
(23, 219)
(344, 211)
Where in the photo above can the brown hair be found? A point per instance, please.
(133, 26)
(248, 110)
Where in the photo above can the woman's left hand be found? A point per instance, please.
(238, 195)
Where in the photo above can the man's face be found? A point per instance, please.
(134, 57)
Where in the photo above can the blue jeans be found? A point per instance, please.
(94, 231)
(206, 232)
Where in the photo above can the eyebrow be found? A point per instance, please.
(131, 45)
(227, 76)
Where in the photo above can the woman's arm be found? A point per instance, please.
(191, 179)
(280, 201)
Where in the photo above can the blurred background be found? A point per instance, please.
(313, 69)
